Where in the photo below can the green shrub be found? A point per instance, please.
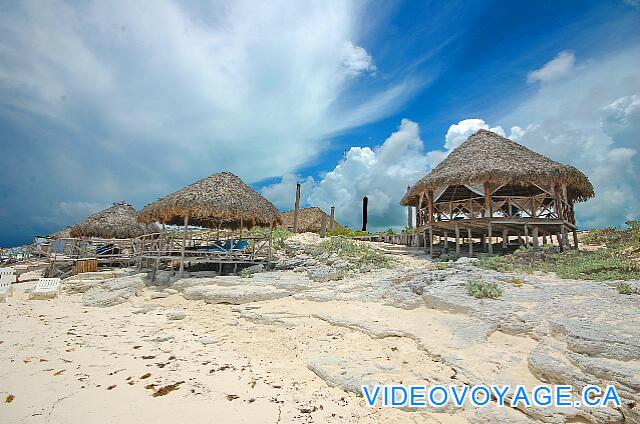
(624, 288)
(442, 266)
(346, 232)
(482, 289)
(517, 282)
(357, 253)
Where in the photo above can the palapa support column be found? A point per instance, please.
(419, 211)
(526, 236)
(333, 218)
(490, 239)
(575, 239)
(409, 213)
(184, 244)
(559, 239)
(536, 242)
(470, 241)
(323, 226)
(430, 241)
(445, 245)
(505, 239)
(430, 205)
(487, 200)
(565, 240)
(457, 239)
(297, 208)
(270, 245)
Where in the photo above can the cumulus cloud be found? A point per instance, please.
(136, 99)
(591, 120)
(381, 173)
(556, 68)
(283, 193)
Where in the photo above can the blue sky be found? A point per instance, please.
(133, 100)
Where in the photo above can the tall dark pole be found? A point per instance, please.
(365, 202)
(409, 213)
(295, 213)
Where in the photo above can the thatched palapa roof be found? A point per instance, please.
(117, 221)
(219, 199)
(64, 233)
(309, 220)
(489, 157)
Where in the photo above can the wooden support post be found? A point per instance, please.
(184, 244)
(505, 239)
(323, 226)
(565, 240)
(559, 239)
(419, 211)
(544, 239)
(526, 236)
(457, 240)
(575, 239)
(270, 245)
(470, 241)
(409, 213)
(332, 223)
(490, 239)
(446, 243)
(487, 200)
(536, 242)
(430, 205)
(365, 203)
(297, 208)
(430, 241)
(424, 241)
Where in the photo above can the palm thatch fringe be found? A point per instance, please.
(488, 157)
(118, 221)
(309, 220)
(221, 199)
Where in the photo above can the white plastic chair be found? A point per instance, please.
(6, 278)
(46, 287)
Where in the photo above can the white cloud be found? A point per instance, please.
(165, 92)
(381, 173)
(556, 68)
(283, 193)
(591, 119)
(357, 60)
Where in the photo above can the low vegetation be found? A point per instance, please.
(279, 234)
(617, 259)
(346, 232)
(359, 254)
(483, 290)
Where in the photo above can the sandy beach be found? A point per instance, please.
(295, 350)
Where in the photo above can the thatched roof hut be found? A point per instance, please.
(309, 220)
(220, 199)
(489, 157)
(60, 234)
(117, 221)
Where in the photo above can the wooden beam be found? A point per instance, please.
(430, 206)
(419, 211)
(490, 239)
(575, 239)
(457, 240)
(430, 241)
(526, 236)
(333, 218)
(470, 241)
(184, 244)
(487, 200)
(536, 242)
(505, 239)
(270, 245)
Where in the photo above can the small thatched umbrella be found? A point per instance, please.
(118, 221)
(489, 157)
(309, 219)
(221, 199)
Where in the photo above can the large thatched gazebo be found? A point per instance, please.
(118, 221)
(309, 220)
(221, 200)
(491, 186)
